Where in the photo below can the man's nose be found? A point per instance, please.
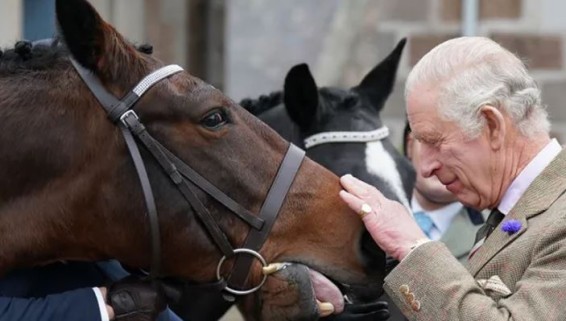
(429, 163)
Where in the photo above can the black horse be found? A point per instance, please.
(341, 128)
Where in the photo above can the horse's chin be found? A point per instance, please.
(297, 292)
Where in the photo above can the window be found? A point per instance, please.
(39, 19)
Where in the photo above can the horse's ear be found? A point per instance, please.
(300, 95)
(92, 42)
(379, 82)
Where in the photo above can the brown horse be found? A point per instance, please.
(69, 190)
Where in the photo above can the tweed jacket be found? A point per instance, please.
(458, 238)
(518, 276)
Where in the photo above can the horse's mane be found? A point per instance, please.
(28, 57)
(263, 103)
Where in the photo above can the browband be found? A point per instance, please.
(346, 137)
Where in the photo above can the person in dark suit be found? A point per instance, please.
(72, 291)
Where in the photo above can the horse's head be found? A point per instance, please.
(341, 128)
(69, 189)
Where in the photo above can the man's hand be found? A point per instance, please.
(109, 310)
(389, 223)
(136, 299)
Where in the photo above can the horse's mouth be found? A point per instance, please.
(331, 296)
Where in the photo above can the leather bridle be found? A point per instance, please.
(120, 112)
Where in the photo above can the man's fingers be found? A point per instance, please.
(357, 187)
(354, 202)
(365, 210)
(354, 185)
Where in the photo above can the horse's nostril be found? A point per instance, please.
(373, 256)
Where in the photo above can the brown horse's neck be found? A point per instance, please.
(61, 157)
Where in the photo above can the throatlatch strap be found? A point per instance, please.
(111, 104)
(115, 108)
(149, 200)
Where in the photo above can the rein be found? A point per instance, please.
(120, 113)
(346, 137)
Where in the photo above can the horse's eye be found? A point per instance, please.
(214, 120)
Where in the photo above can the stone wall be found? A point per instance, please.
(342, 40)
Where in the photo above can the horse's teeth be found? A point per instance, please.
(273, 267)
(325, 308)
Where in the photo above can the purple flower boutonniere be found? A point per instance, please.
(511, 226)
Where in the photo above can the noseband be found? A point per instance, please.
(120, 113)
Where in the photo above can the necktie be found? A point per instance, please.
(425, 222)
(494, 218)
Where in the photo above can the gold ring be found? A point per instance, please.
(365, 210)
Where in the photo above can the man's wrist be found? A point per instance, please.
(109, 308)
(405, 251)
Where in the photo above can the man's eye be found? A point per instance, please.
(214, 120)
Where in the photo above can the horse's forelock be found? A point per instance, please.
(26, 57)
(263, 103)
(48, 54)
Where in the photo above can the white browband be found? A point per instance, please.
(346, 137)
(155, 77)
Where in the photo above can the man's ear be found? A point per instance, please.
(495, 125)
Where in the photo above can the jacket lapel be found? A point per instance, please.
(538, 197)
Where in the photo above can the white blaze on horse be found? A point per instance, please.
(341, 128)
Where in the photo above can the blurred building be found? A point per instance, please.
(140, 20)
(342, 40)
(247, 46)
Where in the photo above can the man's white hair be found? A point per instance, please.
(471, 72)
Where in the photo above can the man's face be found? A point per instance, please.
(429, 187)
(462, 165)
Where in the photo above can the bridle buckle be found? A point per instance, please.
(129, 112)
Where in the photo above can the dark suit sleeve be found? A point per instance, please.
(77, 305)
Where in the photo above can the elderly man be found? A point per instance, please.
(485, 135)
